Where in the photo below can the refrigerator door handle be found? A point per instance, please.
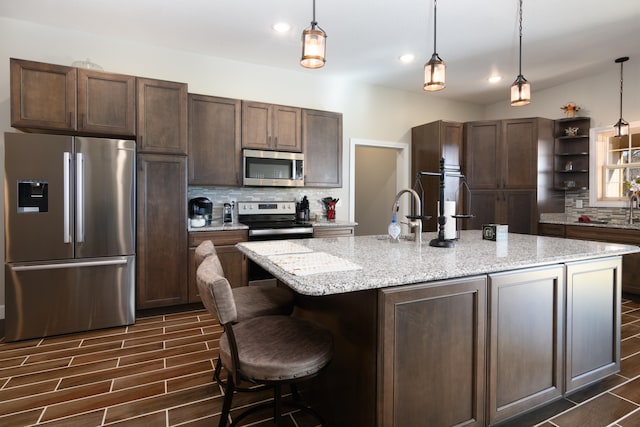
(68, 265)
(66, 168)
(79, 198)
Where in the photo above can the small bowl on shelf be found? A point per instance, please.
(571, 131)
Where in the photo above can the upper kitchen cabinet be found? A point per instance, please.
(322, 144)
(430, 143)
(572, 153)
(106, 103)
(43, 96)
(71, 100)
(162, 116)
(271, 127)
(215, 152)
(504, 159)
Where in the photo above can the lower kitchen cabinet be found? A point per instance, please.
(161, 254)
(332, 231)
(593, 321)
(432, 369)
(517, 208)
(234, 262)
(525, 340)
(630, 262)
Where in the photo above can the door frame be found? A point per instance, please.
(403, 163)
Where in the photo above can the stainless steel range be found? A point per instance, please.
(270, 221)
(273, 221)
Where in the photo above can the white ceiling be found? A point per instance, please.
(562, 39)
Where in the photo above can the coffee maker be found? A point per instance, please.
(201, 207)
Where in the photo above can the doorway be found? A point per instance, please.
(379, 169)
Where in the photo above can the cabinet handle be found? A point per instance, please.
(82, 121)
(275, 141)
(70, 119)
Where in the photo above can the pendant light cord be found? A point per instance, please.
(435, 13)
(621, 85)
(520, 32)
(314, 22)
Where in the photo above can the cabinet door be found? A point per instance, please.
(518, 166)
(106, 103)
(432, 369)
(286, 133)
(526, 340)
(43, 96)
(256, 125)
(593, 321)
(520, 211)
(482, 145)
(215, 153)
(322, 144)
(483, 208)
(162, 116)
(162, 231)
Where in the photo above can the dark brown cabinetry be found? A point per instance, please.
(433, 339)
(571, 168)
(71, 100)
(630, 262)
(526, 340)
(271, 127)
(504, 160)
(430, 143)
(234, 262)
(321, 231)
(106, 103)
(593, 321)
(161, 254)
(322, 144)
(162, 116)
(215, 153)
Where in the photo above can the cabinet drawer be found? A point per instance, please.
(553, 230)
(333, 232)
(603, 234)
(218, 238)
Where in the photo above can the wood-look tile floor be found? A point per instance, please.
(158, 372)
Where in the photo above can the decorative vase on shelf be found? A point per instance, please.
(570, 113)
(570, 109)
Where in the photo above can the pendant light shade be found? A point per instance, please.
(314, 43)
(520, 89)
(622, 126)
(435, 69)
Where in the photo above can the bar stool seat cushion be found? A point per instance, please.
(302, 348)
(255, 301)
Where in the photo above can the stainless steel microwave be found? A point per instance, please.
(273, 168)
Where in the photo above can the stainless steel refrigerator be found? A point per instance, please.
(69, 234)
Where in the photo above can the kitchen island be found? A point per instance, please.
(474, 334)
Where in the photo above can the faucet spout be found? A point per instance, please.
(633, 198)
(415, 221)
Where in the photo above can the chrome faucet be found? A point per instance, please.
(631, 199)
(415, 221)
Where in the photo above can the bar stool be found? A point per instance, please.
(266, 350)
(251, 301)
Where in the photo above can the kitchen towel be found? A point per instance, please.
(450, 225)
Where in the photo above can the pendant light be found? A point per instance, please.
(521, 89)
(313, 44)
(622, 127)
(435, 69)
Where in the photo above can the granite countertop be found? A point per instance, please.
(564, 219)
(220, 226)
(372, 262)
(336, 223)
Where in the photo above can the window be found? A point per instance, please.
(614, 160)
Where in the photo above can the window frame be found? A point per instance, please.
(597, 159)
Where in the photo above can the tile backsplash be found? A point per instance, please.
(612, 214)
(221, 195)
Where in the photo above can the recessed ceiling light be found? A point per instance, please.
(281, 27)
(494, 79)
(407, 58)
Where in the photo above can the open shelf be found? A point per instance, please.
(571, 158)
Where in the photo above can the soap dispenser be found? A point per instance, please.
(394, 230)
